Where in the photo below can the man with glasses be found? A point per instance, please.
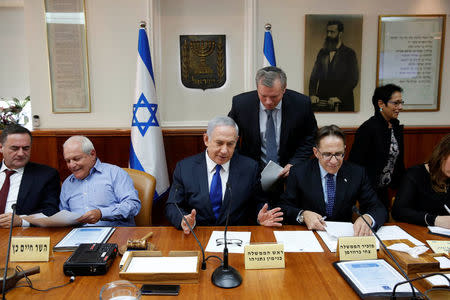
(327, 187)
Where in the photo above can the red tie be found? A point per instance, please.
(5, 190)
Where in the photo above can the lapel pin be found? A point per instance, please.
(345, 179)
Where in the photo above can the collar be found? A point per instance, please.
(278, 107)
(211, 165)
(4, 167)
(381, 119)
(323, 172)
(98, 167)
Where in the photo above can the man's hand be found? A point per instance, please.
(191, 219)
(314, 99)
(333, 100)
(5, 220)
(91, 217)
(442, 221)
(360, 227)
(271, 217)
(314, 221)
(285, 171)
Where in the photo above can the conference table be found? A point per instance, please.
(306, 275)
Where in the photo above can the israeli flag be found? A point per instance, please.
(147, 148)
(269, 52)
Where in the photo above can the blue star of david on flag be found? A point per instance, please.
(151, 107)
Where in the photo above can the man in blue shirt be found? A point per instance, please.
(102, 192)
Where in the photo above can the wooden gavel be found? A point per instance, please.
(12, 276)
(140, 244)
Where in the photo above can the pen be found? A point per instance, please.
(324, 217)
(446, 207)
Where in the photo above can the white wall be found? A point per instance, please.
(112, 42)
(14, 80)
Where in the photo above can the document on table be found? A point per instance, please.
(60, 219)
(270, 174)
(438, 280)
(157, 264)
(372, 277)
(84, 235)
(444, 262)
(298, 241)
(394, 232)
(439, 230)
(335, 230)
(236, 241)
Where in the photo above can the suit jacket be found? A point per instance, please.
(190, 190)
(298, 126)
(416, 198)
(304, 192)
(39, 190)
(337, 78)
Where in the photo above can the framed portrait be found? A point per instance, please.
(410, 55)
(332, 71)
(67, 54)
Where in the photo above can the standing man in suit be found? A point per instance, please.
(275, 123)
(335, 73)
(206, 185)
(34, 188)
(327, 186)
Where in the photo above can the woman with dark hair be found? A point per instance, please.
(423, 196)
(378, 144)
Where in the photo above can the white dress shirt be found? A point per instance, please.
(224, 172)
(15, 181)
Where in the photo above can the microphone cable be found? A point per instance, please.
(30, 283)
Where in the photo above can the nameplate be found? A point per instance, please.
(357, 248)
(30, 248)
(264, 256)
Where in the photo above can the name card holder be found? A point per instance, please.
(30, 249)
(264, 256)
(357, 248)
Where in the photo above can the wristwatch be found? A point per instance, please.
(300, 217)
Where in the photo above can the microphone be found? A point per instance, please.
(414, 296)
(177, 186)
(5, 273)
(225, 276)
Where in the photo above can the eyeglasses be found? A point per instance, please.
(397, 103)
(237, 242)
(328, 155)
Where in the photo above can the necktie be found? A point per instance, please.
(331, 193)
(215, 192)
(5, 190)
(271, 142)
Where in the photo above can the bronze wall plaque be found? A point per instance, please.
(203, 61)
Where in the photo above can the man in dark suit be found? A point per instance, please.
(206, 184)
(328, 187)
(34, 188)
(335, 73)
(275, 123)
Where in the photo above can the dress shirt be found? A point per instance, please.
(276, 114)
(107, 188)
(14, 187)
(224, 172)
(323, 175)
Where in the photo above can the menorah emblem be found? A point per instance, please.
(203, 61)
(203, 49)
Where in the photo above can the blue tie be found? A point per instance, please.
(215, 192)
(271, 141)
(331, 193)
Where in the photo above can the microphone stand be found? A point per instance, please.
(414, 296)
(8, 251)
(177, 187)
(225, 276)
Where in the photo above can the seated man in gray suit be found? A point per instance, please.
(327, 186)
(206, 185)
